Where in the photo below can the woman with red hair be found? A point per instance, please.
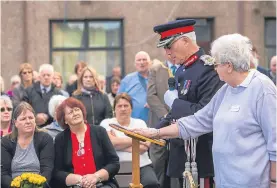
(84, 154)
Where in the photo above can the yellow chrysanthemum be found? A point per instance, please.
(24, 176)
(17, 184)
(31, 179)
(18, 178)
(36, 181)
(39, 182)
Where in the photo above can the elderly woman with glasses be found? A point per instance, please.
(242, 116)
(26, 149)
(6, 115)
(84, 154)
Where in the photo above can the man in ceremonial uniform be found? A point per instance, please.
(196, 83)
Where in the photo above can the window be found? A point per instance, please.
(97, 42)
(204, 28)
(270, 39)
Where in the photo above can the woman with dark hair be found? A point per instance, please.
(115, 84)
(85, 155)
(71, 87)
(90, 94)
(26, 149)
(123, 144)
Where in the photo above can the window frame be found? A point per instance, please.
(268, 46)
(86, 32)
(212, 21)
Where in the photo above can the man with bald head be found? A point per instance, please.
(135, 85)
(272, 72)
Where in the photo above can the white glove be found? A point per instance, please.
(170, 96)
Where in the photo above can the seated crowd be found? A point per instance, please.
(64, 135)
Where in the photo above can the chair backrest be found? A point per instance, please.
(124, 176)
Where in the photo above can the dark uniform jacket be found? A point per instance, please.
(97, 105)
(196, 84)
(39, 101)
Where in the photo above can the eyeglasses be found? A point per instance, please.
(27, 72)
(177, 37)
(216, 65)
(81, 150)
(8, 109)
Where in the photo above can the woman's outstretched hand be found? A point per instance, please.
(147, 132)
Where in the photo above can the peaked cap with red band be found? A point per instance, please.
(173, 29)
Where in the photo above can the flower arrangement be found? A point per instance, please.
(28, 180)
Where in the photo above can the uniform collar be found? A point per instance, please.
(194, 57)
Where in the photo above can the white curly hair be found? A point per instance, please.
(6, 99)
(235, 49)
(46, 67)
(54, 102)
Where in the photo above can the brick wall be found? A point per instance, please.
(25, 25)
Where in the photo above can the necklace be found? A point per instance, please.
(81, 150)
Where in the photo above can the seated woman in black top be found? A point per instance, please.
(95, 100)
(84, 153)
(26, 149)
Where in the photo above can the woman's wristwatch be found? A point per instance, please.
(273, 181)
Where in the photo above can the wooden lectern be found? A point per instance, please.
(136, 138)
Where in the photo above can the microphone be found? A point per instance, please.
(171, 83)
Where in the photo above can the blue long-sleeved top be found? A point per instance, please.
(136, 86)
(243, 121)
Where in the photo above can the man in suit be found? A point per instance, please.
(38, 95)
(157, 86)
